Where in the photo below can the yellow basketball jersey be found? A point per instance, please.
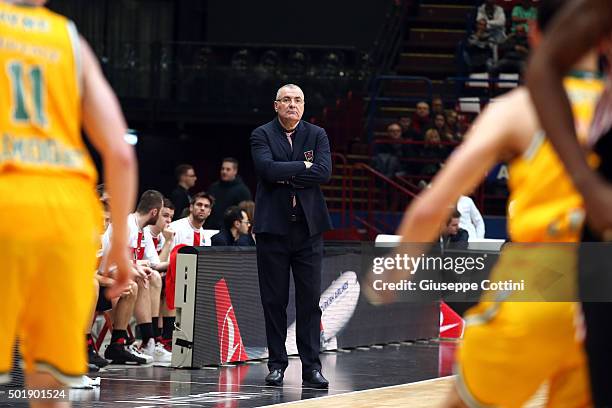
(544, 206)
(40, 94)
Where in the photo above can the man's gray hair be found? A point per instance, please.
(289, 86)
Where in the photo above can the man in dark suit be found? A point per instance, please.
(292, 158)
(186, 178)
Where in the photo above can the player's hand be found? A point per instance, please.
(168, 233)
(142, 275)
(129, 290)
(105, 281)
(118, 256)
(597, 199)
(308, 164)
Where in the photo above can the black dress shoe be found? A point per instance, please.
(314, 379)
(275, 377)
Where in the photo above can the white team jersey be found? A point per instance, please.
(146, 242)
(158, 241)
(184, 233)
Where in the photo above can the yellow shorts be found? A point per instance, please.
(511, 348)
(48, 240)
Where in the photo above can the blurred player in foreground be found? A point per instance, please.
(511, 348)
(50, 83)
(580, 26)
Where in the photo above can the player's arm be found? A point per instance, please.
(577, 29)
(104, 123)
(169, 234)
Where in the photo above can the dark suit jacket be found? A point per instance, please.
(282, 171)
(181, 200)
(225, 238)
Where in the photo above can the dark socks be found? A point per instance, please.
(146, 332)
(168, 327)
(155, 323)
(118, 334)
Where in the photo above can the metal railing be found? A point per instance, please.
(375, 200)
(344, 172)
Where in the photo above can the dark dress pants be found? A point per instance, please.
(303, 255)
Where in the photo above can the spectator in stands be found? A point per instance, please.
(470, 220)
(437, 105)
(249, 208)
(442, 128)
(235, 230)
(452, 124)
(523, 13)
(480, 48)
(186, 178)
(421, 119)
(228, 191)
(513, 53)
(434, 151)
(408, 133)
(496, 19)
(451, 234)
(387, 159)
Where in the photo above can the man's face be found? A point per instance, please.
(243, 225)
(451, 118)
(200, 209)
(154, 215)
(520, 31)
(437, 105)
(228, 171)
(405, 122)
(422, 110)
(165, 218)
(290, 105)
(452, 227)
(189, 178)
(490, 3)
(394, 131)
(439, 122)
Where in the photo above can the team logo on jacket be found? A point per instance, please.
(309, 155)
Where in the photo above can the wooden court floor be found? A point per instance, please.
(423, 394)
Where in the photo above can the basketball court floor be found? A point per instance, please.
(408, 374)
(359, 377)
